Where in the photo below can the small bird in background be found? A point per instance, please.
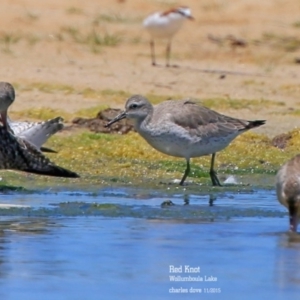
(288, 189)
(164, 25)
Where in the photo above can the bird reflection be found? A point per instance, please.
(287, 260)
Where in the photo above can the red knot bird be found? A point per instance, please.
(288, 189)
(164, 25)
(183, 128)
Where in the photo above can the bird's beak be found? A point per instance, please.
(116, 119)
(191, 18)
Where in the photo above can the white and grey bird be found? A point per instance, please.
(37, 133)
(164, 25)
(183, 128)
(288, 189)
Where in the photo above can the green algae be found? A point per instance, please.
(112, 159)
(7, 188)
(199, 213)
(115, 160)
(128, 159)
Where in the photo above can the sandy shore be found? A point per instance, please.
(59, 43)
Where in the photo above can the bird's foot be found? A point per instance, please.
(172, 66)
(157, 65)
(214, 178)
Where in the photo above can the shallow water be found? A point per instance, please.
(123, 243)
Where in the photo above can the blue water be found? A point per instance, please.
(121, 244)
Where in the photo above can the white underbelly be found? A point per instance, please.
(187, 147)
(161, 33)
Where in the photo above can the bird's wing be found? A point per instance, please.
(200, 120)
(37, 133)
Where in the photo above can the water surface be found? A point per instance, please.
(123, 243)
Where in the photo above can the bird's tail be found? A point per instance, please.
(53, 170)
(256, 123)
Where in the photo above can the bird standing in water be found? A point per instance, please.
(288, 189)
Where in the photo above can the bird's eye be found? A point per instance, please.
(133, 106)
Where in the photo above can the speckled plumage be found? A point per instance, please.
(37, 133)
(288, 189)
(20, 154)
(184, 128)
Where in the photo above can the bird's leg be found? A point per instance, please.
(168, 54)
(187, 171)
(152, 47)
(293, 215)
(212, 172)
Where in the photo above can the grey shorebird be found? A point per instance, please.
(288, 189)
(37, 133)
(183, 128)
